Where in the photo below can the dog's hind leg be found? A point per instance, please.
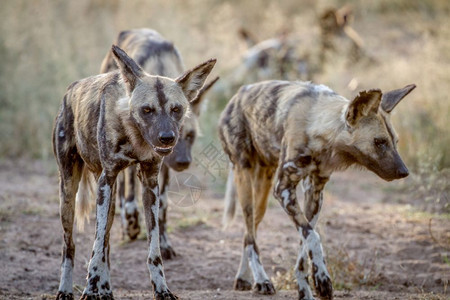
(261, 184)
(70, 169)
(128, 203)
(242, 179)
(250, 260)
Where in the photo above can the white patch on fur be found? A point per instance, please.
(320, 88)
(130, 207)
(285, 194)
(244, 270)
(306, 184)
(96, 261)
(65, 284)
(344, 115)
(290, 164)
(302, 276)
(154, 233)
(102, 210)
(120, 155)
(312, 242)
(154, 249)
(247, 87)
(102, 272)
(123, 105)
(160, 281)
(277, 184)
(83, 204)
(259, 275)
(154, 252)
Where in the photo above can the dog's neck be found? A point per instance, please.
(331, 134)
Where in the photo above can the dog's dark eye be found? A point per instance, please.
(380, 142)
(148, 110)
(176, 109)
(190, 137)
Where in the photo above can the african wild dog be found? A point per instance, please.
(105, 124)
(298, 131)
(287, 57)
(156, 56)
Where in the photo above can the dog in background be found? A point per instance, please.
(157, 56)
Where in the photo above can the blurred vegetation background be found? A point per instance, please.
(45, 45)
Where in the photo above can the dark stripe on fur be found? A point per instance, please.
(162, 100)
(154, 48)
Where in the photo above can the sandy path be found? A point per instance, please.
(376, 249)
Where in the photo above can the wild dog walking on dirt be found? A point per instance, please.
(156, 56)
(298, 131)
(105, 124)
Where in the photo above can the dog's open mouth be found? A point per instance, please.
(163, 151)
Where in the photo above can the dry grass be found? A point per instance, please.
(45, 45)
(347, 273)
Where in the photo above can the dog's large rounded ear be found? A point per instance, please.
(366, 102)
(196, 102)
(131, 72)
(192, 80)
(392, 98)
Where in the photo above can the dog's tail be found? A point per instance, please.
(83, 205)
(230, 200)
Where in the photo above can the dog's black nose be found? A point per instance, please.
(183, 164)
(167, 138)
(402, 172)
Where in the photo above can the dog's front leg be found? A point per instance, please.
(167, 251)
(289, 173)
(150, 198)
(98, 279)
(313, 186)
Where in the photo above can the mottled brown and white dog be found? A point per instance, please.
(105, 124)
(157, 56)
(298, 131)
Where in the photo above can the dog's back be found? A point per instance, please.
(150, 50)
(260, 115)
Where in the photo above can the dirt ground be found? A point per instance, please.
(376, 249)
